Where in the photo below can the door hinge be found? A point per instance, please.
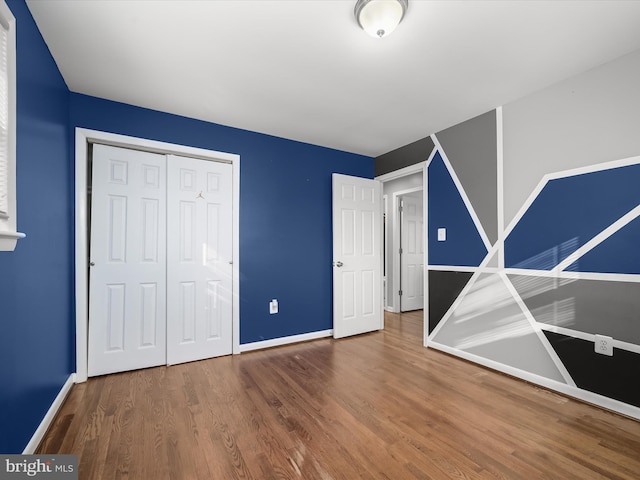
(400, 251)
(400, 292)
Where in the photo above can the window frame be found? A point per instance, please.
(8, 224)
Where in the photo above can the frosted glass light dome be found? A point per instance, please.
(380, 17)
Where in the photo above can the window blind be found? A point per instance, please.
(4, 120)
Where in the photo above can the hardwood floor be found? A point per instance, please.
(376, 406)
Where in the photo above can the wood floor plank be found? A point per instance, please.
(375, 406)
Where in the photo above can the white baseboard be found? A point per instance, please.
(276, 342)
(569, 390)
(49, 416)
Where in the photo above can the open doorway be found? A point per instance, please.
(405, 186)
(400, 248)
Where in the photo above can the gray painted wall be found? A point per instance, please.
(587, 119)
(590, 306)
(471, 148)
(489, 323)
(410, 154)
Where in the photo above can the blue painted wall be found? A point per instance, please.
(285, 228)
(617, 254)
(285, 211)
(569, 212)
(36, 282)
(463, 245)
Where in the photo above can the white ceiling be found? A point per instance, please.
(304, 70)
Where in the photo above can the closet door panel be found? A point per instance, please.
(199, 240)
(127, 276)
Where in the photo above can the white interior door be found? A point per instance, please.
(127, 284)
(412, 256)
(357, 256)
(200, 255)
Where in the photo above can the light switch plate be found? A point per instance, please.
(442, 234)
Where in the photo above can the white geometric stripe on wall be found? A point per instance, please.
(463, 194)
(598, 239)
(563, 174)
(489, 320)
(492, 260)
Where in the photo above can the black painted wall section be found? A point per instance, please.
(614, 377)
(444, 288)
(410, 154)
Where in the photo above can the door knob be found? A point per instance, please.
(339, 264)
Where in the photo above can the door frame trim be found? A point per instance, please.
(85, 136)
(403, 172)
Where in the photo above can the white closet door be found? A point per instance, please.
(127, 284)
(199, 262)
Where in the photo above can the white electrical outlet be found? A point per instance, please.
(604, 345)
(273, 306)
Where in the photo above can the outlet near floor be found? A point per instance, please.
(604, 345)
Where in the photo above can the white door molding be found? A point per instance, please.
(396, 220)
(83, 138)
(403, 172)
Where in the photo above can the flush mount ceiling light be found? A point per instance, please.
(380, 17)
